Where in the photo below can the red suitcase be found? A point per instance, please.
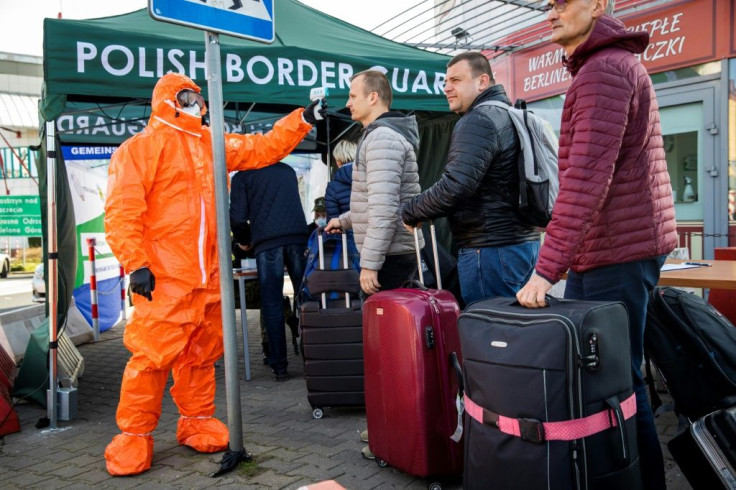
(410, 384)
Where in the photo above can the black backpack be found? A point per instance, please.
(694, 347)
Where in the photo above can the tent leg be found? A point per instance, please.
(52, 272)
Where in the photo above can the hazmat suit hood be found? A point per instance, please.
(164, 107)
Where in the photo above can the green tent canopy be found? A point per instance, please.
(123, 56)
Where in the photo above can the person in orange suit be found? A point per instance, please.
(160, 222)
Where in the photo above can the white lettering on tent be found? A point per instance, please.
(234, 72)
(300, 65)
(253, 76)
(118, 129)
(346, 71)
(85, 52)
(64, 123)
(144, 62)
(159, 62)
(82, 125)
(439, 83)
(106, 60)
(285, 68)
(100, 126)
(142, 68)
(174, 56)
(194, 65)
(405, 85)
(420, 83)
(328, 71)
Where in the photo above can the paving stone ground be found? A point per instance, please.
(290, 447)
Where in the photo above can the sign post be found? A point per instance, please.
(250, 20)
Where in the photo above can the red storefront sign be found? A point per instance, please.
(732, 25)
(684, 33)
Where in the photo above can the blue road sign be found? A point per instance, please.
(249, 19)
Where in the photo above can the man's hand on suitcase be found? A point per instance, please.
(333, 226)
(410, 228)
(369, 281)
(533, 292)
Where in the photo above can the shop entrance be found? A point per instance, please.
(699, 182)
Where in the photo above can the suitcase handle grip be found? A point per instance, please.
(550, 300)
(615, 405)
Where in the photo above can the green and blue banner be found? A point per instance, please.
(86, 167)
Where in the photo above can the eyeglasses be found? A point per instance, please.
(189, 98)
(558, 5)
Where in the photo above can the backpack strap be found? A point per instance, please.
(523, 199)
(567, 430)
(521, 105)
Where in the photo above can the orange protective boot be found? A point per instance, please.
(206, 435)
(129, 454)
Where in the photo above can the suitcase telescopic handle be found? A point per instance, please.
(435, 255)
(321, 247)
(455, 362)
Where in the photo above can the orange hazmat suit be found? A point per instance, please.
(160, 213)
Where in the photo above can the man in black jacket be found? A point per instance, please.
(268, 198)
(479, 189)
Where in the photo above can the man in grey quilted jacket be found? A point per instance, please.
(385, 176)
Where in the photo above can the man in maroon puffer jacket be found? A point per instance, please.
(614, 220)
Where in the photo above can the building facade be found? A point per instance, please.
(692, 61)
(21, 80)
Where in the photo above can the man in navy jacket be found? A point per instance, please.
(268, 198)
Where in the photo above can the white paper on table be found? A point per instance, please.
(677, 267)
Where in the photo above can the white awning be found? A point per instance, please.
(18, 111)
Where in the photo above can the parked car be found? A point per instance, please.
(5, 268)
(38, 283)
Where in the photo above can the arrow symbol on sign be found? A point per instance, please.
(252, 8)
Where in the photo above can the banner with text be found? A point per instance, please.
(86, 167)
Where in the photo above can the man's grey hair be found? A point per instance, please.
(610, 6)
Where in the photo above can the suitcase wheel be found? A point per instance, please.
(381, 463)
(434, 486)
(317, 413)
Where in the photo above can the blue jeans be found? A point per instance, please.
(631, 284)
(495, 271)
(271, 278)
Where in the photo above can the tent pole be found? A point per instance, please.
(52, 272)
(236, 452)
(329, 153)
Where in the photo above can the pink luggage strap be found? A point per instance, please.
(535, 431)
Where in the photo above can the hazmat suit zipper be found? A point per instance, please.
(201, 240)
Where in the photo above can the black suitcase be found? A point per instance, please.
(694, 347)
(332, 337)
(706, 451)
(527, 374)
